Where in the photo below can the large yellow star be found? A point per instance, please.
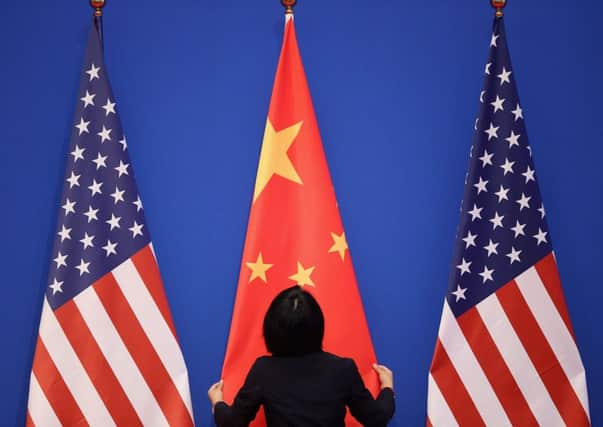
(302, 277)
(273, 157)
(258, 269)
(339, 244)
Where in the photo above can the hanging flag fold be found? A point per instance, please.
(295, 235)
(506, 352)
(107, 351)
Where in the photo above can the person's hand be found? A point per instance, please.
(386, 376)
(215, 393)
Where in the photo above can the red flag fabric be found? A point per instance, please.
(295, 235)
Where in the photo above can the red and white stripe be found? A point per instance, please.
(510, 360)
(110, 356)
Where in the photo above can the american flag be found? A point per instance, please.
(107, 351)
(506, 353)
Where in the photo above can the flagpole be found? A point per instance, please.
(97, 5)
(288, 5)
(499, 5)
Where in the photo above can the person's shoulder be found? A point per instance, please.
(260, 368)
(262, 361)
(335, 360)
(344, 368)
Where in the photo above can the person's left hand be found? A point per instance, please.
(215, 393)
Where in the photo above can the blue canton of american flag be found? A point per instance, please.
(107, 351)
(101, 222)
(506, 353)
(503, 228)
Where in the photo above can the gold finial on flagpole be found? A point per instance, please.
(288, 5)
(97, 5)
(499, 5)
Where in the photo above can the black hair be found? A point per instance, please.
(294, 324)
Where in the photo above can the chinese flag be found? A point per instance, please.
(295, 235)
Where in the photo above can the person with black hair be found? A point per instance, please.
(300, 384)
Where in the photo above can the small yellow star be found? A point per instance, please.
(274, 159)
(339, 244)
(259, 269)
(302, 277)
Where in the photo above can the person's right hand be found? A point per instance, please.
(215, 393)
(386, 376)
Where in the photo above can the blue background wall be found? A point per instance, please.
(395, 87)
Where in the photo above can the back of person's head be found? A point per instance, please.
(294, 324)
